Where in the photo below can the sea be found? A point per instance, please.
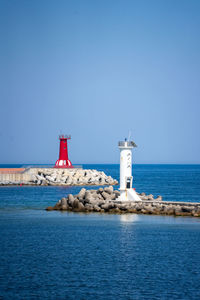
(66, 255)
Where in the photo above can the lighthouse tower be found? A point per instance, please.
(63, 161)
(127, 193)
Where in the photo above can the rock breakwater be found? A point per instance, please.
(104, 200)
(52, 176)
(72, 177)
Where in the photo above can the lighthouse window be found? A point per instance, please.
(64, 147)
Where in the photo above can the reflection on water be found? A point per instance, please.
(129, 218)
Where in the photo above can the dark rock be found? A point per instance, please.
(122, 207)
(57, 206)
(76, 203)
(80, 207)
(116, 210)
(88, 207)
(186, 209)
(130, 210)
(49, 208)
(177, 211)
(97, 208)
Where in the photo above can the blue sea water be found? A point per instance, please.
(60, 255)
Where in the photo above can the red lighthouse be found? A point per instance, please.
(63, 161)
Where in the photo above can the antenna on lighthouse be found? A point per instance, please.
(129, 135)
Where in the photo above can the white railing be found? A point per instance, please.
(127, 143)
(64, 136)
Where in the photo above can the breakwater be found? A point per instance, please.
(53, 176)
(104, 200)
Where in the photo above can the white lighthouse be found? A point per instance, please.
(127, 193)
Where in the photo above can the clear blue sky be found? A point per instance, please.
(97, 69)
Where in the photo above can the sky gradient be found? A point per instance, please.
(97, 70)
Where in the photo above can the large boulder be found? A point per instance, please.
(105, 195)
(89, 196)
(150, 197)
(187, 209)
(89, 207)
(100, 191)
(109, 189)
(81, 194)
(97, 208)
(49, 178)
(94, 202)
(70, 200)
(113, 196)
(75, 203)
(117, 193)
(64, 204)
(40, 177)
(78, 206)
(107, 206)
(99, 196)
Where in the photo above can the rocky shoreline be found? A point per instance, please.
(104, 200)
(53, 176)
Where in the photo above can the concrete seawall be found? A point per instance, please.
(14, 176)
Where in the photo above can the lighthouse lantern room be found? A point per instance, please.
(63, 161)
(127, 193)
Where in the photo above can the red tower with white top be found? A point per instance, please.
(63, 161)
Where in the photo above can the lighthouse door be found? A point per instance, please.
(128, 182)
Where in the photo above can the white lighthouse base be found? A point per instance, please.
(129, 195)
